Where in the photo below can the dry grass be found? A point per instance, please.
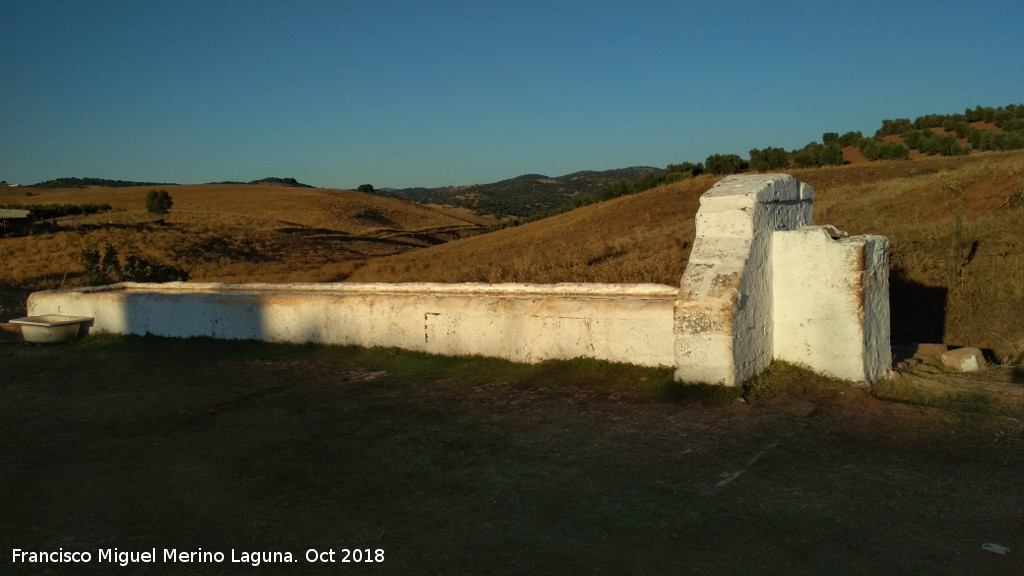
(225, 233)
(977, 278)
(647, 238)
(643, 238)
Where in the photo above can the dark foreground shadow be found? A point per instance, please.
(917, 312)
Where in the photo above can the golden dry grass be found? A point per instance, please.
(981, 278)
(642, 238)
(225, 233)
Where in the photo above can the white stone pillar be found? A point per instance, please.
(723, 315)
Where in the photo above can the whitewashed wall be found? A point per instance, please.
(761, 284)
(724, 314)
(522, 322)
(832, 303)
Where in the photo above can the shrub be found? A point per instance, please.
(106, 268)
(893, 127)
(724, 164)
(768, 159)
(807, 157)
(946, 145)
(158, 202)
(685, 170)
(893, 151)
(875, 150)
(814, 155)
(850, 139)
(832, 155)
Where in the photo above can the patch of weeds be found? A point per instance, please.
(896, 391)
(964, 403)
(760, 386)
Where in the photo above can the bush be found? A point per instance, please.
(724, 164)
(814, 155)
(768, 159)
(106, 268)
(893, 151)
(365, 188)
(832, 155)
(894, 127)
(850, 139)
(46, 211)
(946, 145)
(875, 150)
(158, 202)
(674, 172)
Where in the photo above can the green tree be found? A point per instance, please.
(366, 188)
(892, 127)
(158, 202)
(674, 172)
(724, 164)
(768, 159)
(832, 155)
(893, 151)
(850, 139)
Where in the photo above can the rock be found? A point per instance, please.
(963, 359)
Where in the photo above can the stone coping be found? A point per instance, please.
(508, 290)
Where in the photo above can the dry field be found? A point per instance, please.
(642, 238)
(222, 233)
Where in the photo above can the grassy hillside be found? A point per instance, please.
(642, 238)
(523, 196)
(227, 233)
(966, 289)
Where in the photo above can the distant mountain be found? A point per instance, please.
(85, 182)
(522, 196)
(272, 181)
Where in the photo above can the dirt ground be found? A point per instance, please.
(472, 466)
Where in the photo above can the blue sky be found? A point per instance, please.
(414, 93)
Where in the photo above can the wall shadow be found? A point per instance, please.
(917, 312)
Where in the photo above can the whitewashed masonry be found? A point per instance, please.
(762, 283)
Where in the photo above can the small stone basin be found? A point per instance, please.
(52, 328)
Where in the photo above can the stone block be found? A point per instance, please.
(831, 303)
(963, 359)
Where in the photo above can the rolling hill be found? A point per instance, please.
(966, 289)
(226, 233)
(522, 196)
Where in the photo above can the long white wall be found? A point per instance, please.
(762, 283)
(520, 322)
